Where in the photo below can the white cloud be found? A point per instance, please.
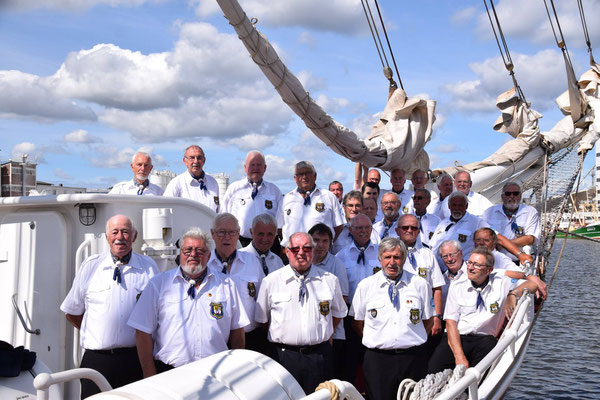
(344, 16)
(279, 168)
(112, 157)
(464, 15)
(310, 81)
(447, 148)
(34, 154)
(541, 76)
(332, 105)
(62, 174)
(68, 5)
(251, 141)
(308, 39)
(28, 96)
(81, 136)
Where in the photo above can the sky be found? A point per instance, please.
(84, 84)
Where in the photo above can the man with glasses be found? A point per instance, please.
(450, 253)
(307, 205)
(421, 261)
(475, 312)
(390, 206)
(392, 312)
(195, 184)
(477, 203)
(244, 269)
(141, 165)
(187, 313)
(427, 222)
(518, 222)
(353, 203)
(302, 304)
(252, 196)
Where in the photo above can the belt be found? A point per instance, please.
(119, 350)
(301, 349)
(408, 350)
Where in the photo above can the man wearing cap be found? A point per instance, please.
(141, 165)
(104, 292)
(253, 195)
(392, 312)
(195, 184)
(187, 313)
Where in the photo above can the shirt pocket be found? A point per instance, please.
(467, 306)
(412, 309)
(98, 297)
(324, 304)
(375, 315)
(464, 235)
(281, 304)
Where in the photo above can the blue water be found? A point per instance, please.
(563, 360)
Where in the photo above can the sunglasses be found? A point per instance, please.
(409, 228)
(296, 250)
(507, 194)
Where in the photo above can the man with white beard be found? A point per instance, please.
(520, 223)
(141, 165)
(187, 302)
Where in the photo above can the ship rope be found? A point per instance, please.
(586, 34)
(504, 51)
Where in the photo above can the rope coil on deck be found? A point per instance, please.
(432, 385)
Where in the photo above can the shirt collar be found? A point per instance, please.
(133, 262)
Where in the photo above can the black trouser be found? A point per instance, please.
(119, 366)
(354, 352)
(162, 367)
(257, 340)
(385, 369)
(309, 365)
(475, 347)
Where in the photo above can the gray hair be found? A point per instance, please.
(141, 153)
(484, 251)
(391, 194)
(303, 165)
(389, 244)
(264, 218)
(106, 227)
(460, 194)
(490, 231)
(312, 241)
(225, 217)
(196, 233)
(425, 192)
(443, 176)
(353, 194)
(253, 153)
(194, 146)
(511, 184)
(454, 243)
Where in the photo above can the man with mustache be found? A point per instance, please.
(390, 205)
(353, 203)
(195, 184)
(398, 179)
(477, 203)
(141, 165)
(187, 313)
(104, 293)
(427, 222)
(264, 233)
(392, 312)
(520, 223)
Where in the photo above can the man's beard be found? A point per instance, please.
(511, 206)
(193, 270)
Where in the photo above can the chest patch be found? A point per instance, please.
(324, 308)
(462, 238)
(251, 289)
(415, 316)
(268, 204)
(216, 310)
(494, 308)
(320, 207)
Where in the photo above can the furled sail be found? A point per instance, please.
(396, 140)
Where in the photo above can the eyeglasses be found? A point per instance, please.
(508, 194)
(222, 233)
(389, 203)
(198, 250)
(199, 158)
(447, 256)
(409, 228)
(418, 197)
(296, 250)
(476, 265)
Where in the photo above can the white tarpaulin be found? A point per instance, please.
(396, 140)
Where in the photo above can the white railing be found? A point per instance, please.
(472, 376)
(43, 381)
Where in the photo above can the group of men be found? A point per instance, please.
(394, 284)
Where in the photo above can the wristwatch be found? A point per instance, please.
(438, 316)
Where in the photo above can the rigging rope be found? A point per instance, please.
(388, 43)
(585, 31)
(560, 42)
(504, 52)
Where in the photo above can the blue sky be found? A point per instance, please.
(86, 83)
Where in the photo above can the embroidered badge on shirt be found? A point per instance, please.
(288, 211)
(216, 199)
(242, 201)
(324, 308)
(423, 272)
(376, 270)
(430, 235)
(462, 238)
(216, 310)
(405, 210)
(320, 207)
(251, 289)
(520, 231)
(373, 313)
(268, 204)
(494, 308)
(414, 316)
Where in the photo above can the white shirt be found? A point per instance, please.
(238, 201)
(247, 274)
(130, 187)
(358, 271)
(425, 265)
(295, 323)
(477, 205)
(334, 266)
(406, 201)
(462, 231)
(387, 327)
(186, 329)
(502, 261)
(324, 207)
(344, 239)
(487, 319)
(273, 260)
(526, 222)
(461, 274)
(184, 185)
(106, 304)
(428, 223)
(380, 228)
